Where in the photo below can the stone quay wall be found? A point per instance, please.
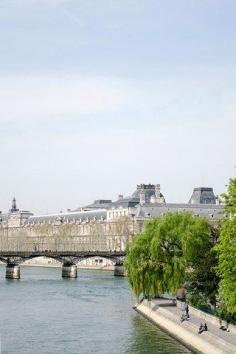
(187, 333)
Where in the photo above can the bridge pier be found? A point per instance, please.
(119, 270)
(12, 271)
(69, 271)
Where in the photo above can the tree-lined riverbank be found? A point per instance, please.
(189, 256)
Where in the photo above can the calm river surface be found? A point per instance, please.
(42, 313)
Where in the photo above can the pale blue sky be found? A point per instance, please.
(97, 96)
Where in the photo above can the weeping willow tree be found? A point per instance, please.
(171, 247)
(144, 274)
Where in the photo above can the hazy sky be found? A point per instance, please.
(98, 96)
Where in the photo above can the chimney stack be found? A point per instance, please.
(157, 191)
(142, 198)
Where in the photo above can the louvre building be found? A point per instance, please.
(101, 225)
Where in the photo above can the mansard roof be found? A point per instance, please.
(69, 216)
(148, 189)
(211, 211)
(97, 204)
(203, 195)
(127, 202)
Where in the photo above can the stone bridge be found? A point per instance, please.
(68, 259)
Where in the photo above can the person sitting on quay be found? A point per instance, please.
(202, 328)
(183, 318)
(224, 328)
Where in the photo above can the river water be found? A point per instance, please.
(44, 314)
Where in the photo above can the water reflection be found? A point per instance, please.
(149, 339)
(44, 314)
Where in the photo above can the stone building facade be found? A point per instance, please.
(102, 225)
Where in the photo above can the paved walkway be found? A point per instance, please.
(174, 313)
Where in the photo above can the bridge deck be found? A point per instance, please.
(62, 253)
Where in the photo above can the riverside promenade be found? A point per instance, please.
(168, 317)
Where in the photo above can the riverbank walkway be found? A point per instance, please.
(225, 341)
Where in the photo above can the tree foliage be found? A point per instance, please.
(170, 248)
(227, 265)
(229, 198)
(226, 249)
(141, 269)
(202, 281)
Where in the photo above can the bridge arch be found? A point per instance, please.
(68, 260)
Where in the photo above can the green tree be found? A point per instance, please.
(202, 280)
(229, 198)
(227, 265)
(226, 249)
(167, 252)
(139, 266)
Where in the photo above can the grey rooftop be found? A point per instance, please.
(78, 216)
(211, 211)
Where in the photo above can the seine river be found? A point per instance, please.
(44, 314)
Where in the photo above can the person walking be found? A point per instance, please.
(186, 308)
